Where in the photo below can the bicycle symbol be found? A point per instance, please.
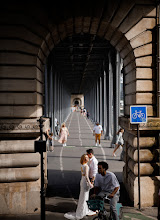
(138, 115)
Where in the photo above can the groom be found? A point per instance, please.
(93, 165)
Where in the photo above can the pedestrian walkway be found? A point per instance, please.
(64, 164)
(64, 173)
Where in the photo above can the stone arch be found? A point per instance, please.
(33, 39)
(26, 41)
(79, 98)
(77, 101)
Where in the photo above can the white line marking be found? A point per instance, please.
(61, 152)
(61, 165)
(79, 131)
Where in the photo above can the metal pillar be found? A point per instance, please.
(118, 72)
(62, 118)
(116, 91)
(58, 100)
(46, 92)
(100, 100)
(109, 103)
(93, 111)
(51, 100)
(54, 101)
(97, 101)
(105, 103)
(139, 186)
(95, 105)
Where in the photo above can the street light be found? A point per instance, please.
(40, 146)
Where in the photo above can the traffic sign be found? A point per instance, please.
(138, 114)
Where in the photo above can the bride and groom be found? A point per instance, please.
(88, 173)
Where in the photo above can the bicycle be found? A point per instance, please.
(98, 205)
(138, 115)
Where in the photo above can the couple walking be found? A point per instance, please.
(103, 182)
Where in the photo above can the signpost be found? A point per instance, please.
(138, 114)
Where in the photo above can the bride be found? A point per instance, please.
(85, 185)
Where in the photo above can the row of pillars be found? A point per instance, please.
(103, 99)
(57, 98)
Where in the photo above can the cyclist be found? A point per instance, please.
(106, 183)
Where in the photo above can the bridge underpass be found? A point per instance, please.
(89, 66)
(52, 50)
(64, 166)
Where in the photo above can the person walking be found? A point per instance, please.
(56, 123)
(106, 184)
(63, 134)
(88, 114)
(49, 140)
(93, 165)
(97, 132)
(85, 185)
(119, 141)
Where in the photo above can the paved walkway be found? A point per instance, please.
(64, 173)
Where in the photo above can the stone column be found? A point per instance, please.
(140, 89)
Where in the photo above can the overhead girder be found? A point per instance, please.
(80, 57)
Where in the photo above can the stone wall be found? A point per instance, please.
(20, 166)
(140, 88)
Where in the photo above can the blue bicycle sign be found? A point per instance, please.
(138, 114)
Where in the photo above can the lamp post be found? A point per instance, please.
(40, 146)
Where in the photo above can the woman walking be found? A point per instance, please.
(85, 185)
(119, 141)
(63, 134)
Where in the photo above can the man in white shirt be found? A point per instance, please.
(106, 183)
(97, 132)
(93, 165)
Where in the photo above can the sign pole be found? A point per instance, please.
(138, 115)
(139, 190)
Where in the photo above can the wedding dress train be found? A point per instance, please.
(82, 208)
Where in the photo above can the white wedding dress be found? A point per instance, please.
(82, 208)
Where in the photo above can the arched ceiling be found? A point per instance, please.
(66, 25)
(79, 60)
